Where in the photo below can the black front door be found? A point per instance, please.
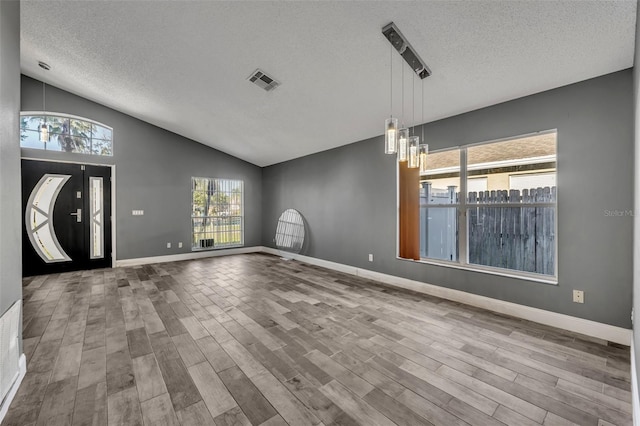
(67, 217)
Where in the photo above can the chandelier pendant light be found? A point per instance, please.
(44, 128)
(413, 141)
(403, 133)
(403, 144)
(391, 124)
(423, 149)
(399, 140)
(391, 135)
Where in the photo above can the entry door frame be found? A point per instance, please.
(113, 195)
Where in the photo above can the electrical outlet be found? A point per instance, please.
(180, 244)
(168, 245)
(578, 296)
(370, 257)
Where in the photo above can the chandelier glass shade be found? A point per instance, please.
(391, 135)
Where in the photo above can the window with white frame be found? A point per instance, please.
(66, 133)
(506, 217)
(217, 213)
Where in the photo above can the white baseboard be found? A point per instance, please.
(22, 370)
(186, 256)
(578, 325)
(635, 402)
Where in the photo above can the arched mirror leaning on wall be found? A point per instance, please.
(290, 231)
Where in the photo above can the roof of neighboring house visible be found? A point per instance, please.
(543, 145)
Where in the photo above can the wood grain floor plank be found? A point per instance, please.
(214, 353)
(158, 411)
(194, 328)
(353, 382)
(248, 397)
(555, 420)
(195, 415)
(91, 406)
(188, 349)
(93, 367)
(213, 391)
(120, 374)
(274, 342)
(124, 408)
(243, 358)
(44, 356)
(233, 417)
(138, 342)
(74, 333)
(313, 399)
(395, 411)
(354, 406)
(428, 410)
(181, 388)
(289, 407)
(411, 382)
(593, 409)
(517, 404)
(370, 374)
(149, 379)
(68, 362)
(58, 403)
(275, 421)
(116, 338)
(600, 398)
(510, 417)
(465, 394)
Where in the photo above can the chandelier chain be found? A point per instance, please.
(391, 81)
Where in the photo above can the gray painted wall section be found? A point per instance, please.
(153, 173)
(348, 198)
(636, 220)
(10, 210)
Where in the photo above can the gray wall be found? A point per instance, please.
(348, 197)
(153, 173)
(10, 210)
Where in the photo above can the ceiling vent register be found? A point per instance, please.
(262, 80)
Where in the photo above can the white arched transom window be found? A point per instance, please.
(65, 133)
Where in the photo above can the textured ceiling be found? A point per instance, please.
(183, 66)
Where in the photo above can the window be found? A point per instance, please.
(65, 133)
(217, 213)
(507, 219)
(439, 206)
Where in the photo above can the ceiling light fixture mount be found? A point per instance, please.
(397, 40)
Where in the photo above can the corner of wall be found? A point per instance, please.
(636, 224)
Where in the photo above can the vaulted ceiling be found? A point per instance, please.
(183, 66)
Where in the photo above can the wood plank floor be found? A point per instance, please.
(256, 340)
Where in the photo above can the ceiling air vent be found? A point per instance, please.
(260, 79)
